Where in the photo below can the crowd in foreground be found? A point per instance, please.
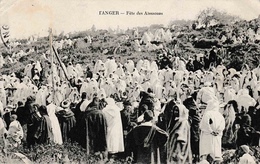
(148, 112)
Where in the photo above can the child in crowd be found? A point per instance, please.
(15, 131)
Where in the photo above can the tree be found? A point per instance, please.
(211, 14)
(93, 28)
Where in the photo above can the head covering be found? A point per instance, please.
(246, 149)
(65, 104)
(10, 106)
(84, 95)
(14, 116)
(150, 90)
(36, 77)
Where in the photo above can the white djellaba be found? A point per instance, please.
(51, 109)
(115, 141)
(212, 125)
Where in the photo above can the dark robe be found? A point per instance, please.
(190, 66)
(146, 141)
(212, 57)
(67, 124)
(129, 120)
(164, 119)
(178, 145)
(94, 130)
(165, 61)
(77, 112)
(257, 123)
(33, 122)
(44, 133)
(21, 117)
(148, 100)
(89, 74)
(78, 116)
(194, 119)
(197, 65)
(7, 119)
(245, 132)
(206, 63)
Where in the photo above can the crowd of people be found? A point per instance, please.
(164, 111)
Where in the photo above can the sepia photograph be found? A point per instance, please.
(130, 81)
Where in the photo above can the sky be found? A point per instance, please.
(28, 17)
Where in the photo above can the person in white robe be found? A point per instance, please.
(84, 86)
(111, 66)
(178, 77)
(139, 64)
(71, 70)
(157, 87)
(257, 71)
(41, 96)
(79, 70)
(128, 78)
(246, 157)
(120, 71)
(212, 125)
(27, 70)
(120, 86)
(129, 66)
(115, 140)
(229, 94)
(74, 95)
(2, 61)
(205, 94)
(161, 75)
(168, 74)
(65, 89)
(3, 96)
(21, 92)
(219, 81)
(136, 76)
(244, 100)
(15, 131)
(51, 109)
(146, 64)
(235, 83)
(154, 66)
(109, 87)
(3, 132)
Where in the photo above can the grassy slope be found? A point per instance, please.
(242, 53)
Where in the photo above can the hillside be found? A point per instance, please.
(238, 44)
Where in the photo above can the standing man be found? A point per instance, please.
(94, 129)
(129, 120)
(194, 119)
(212, 125)
(213, 57)
(146, 140)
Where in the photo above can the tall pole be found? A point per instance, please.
(52, 66)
